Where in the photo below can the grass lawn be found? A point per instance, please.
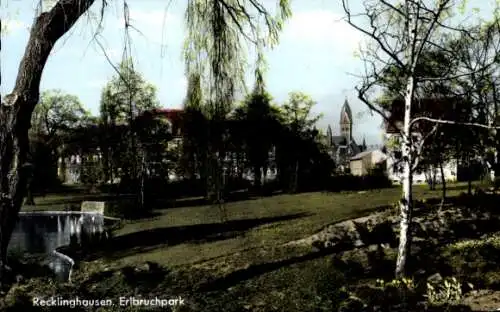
(179, 236)
(243, 260)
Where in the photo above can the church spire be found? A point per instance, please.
(346, 121)
(329, 135)
(364, 144)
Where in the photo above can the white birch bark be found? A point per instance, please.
(406, 205)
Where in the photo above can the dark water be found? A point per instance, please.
(43, 232)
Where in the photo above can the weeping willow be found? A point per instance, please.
(220, 32)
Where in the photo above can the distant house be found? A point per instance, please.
(362, 163)
(342, 147)
(70, 166)
(439, 108)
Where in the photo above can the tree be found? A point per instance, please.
(195, 128)
(219, 33)
(154, 133)
(56, 115)
(299, 124)
(125, 97)
(399, 32)
(257, 123)
(214, 52)
(482, 87)
(17, 107)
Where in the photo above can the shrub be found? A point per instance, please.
(350, 182)
(447, 292)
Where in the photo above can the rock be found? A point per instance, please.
(93, 206)
(420, 272)
(435, 278)
(147, 267)
(467, 287)
(19, 278)
(343, 235)
(373, 248)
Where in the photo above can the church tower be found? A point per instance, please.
(346, 122)
(329, 136)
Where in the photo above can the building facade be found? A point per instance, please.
(363, 163)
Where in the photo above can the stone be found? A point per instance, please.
(19, 278)
(93, 206)
(435, 278)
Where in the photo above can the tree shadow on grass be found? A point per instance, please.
(256, 270)
(147, 240)
(235, 196)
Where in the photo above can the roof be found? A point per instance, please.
(170, 113)
(174, 115)
(448, 108)
(365, 153)
(339, 140)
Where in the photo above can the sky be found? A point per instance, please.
(315, 55)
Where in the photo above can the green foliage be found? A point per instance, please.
(55, 117)
(126, 95)
(258, 127)
(297, 112)
(57, 112)
(124, 98)
(400, 291)
(447, 292)
(214, 45)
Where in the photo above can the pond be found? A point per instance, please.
(43, 232)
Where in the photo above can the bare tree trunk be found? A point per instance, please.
(295, 177)
(257, 177)
(432, 178)
(406, 203)
(469, 175)
(17, 108)
(30, 199)
(495, 135)
(142, 179)
(443, 182)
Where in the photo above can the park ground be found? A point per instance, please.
(242, 264)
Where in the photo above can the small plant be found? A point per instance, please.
(403, 283)
(400, 293)
(447, 292)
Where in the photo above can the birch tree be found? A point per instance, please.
(483, 87)
(216, 30)
(398, 32)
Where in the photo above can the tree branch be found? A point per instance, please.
(450, 122)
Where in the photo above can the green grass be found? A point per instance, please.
(319, 209)
(246, 258)
(307, 213)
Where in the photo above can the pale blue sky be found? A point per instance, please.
(315, 55)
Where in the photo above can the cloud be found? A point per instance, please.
(158, 18)
(115, 55)
(322, 27)
(182, 83)
(97, 84)
(155, 25)
(144, 20)
(10, 26)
